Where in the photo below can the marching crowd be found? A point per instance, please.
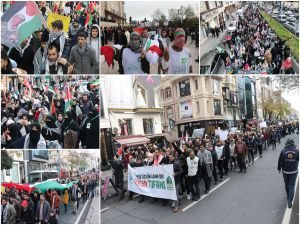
(43, 120)
(53, 51)
(136, 49)
(19, 206)
(209, 159)
(255, 48)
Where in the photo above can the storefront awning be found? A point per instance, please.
(133, 140)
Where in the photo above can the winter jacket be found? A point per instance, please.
(46, 210)
(27, 216)
(288, 160)
(177, 170)
(86, 62)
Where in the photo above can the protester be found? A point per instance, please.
(42, 210)
(8, 212)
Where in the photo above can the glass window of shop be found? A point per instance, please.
(168, 93)
(217, 107)
(148, 126)
(184, 88)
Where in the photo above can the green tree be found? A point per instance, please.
(288, 83)
(6, 160)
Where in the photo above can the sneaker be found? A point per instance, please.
(206, 192)
(290, 204)
(173, 204)
(175, 209)
(188, 196)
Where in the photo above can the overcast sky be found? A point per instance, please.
(138, 10)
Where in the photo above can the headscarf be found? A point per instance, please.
(136, 47)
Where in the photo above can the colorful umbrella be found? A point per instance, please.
(8, 184)
(44, 186)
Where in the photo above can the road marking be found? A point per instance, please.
(288, 212)
(204, 196)
(80, 215)
(105, 209)
(256, 159)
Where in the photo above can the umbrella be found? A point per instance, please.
(8, 184)
(24, 187)
(44, 186)
(228, 38)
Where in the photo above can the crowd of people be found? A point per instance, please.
(45, 120)
(53, 51)
(19, 206)
(136, 49)
(254, 47)
(209, 159)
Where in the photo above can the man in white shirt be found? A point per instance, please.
(193, 173)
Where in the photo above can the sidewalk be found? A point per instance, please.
(93, 215)
(211, 43)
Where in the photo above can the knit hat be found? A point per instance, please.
(289, 143)
(179, 32)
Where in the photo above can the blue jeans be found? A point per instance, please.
(290, 181)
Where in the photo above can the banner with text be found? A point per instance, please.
(154, 181)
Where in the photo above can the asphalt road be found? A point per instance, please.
(256, 197)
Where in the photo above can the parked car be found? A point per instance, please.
(291, 18)
(232, 27)
(212, 61)
(282, 18)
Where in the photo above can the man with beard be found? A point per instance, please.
(74, 29)
(86, 105)
(23, 54)
(132, 60)
(177, 58)
(84, 57)
(33, 140)
(55, 64)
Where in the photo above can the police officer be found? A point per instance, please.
(288, 164)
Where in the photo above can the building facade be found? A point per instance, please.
(112, 13)
(214, 13)
(191, 103)
(130, 107)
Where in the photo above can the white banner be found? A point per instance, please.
(154, 181)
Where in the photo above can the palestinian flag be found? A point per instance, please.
(79, 8)
(19, 22)
(92, 6)
(95, 83)
(67, 98)
(89, 19)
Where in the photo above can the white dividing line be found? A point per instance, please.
(288, 211)
(204, 196)
(80, 215)
(256, 159)
(103, 210)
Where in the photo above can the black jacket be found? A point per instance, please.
(118, 167)
(288, 160)
(27, 216)
(25, 61)
(177, 170)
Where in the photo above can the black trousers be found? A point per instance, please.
(205, 177)
(221, 168)
(226, 166)
(259, 149)
(193, 182)
(241, 162)
(120, 185)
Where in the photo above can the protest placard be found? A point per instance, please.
(65, 19)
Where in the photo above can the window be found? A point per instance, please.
(184, 88)
(148, 126)
(168, 93)
(196, 84)
(217, 107)
(216, 87)
(170, 113)
(198, 107)
(129, 125)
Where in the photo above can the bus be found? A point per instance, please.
(38, 176)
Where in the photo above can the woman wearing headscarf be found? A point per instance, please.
(12, 134)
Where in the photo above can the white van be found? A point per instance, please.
(39, 176)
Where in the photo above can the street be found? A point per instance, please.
(256, 197)
(252, 42)
(194, 51)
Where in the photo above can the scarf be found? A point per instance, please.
(74, 30)
(54, 35)
(82, 49)
(58, 68)
(22, 50)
